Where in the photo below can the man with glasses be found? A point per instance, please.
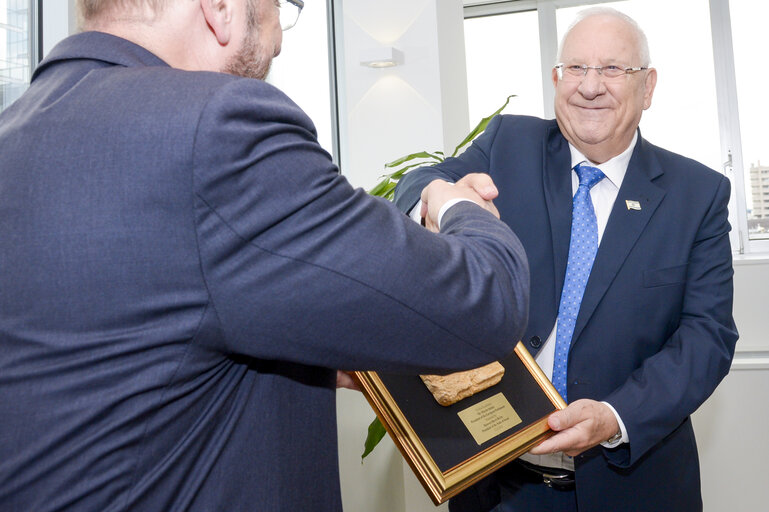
(631, 282)
(183, 270)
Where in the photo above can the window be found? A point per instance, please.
(684, 115)
(497, 68)
(17, 48)
(706, 81)
(302, 68)
(747, 25)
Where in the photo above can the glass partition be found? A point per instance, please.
(17, 48)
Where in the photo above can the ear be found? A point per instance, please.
(218, 15)
(649, 83)
(555, 77)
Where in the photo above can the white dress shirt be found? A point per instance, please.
(603, 194)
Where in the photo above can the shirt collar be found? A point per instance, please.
(614, 168)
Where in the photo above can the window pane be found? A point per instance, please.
(502, 59)
(748, 23)
(15, 54)
(684, 114)
(302, 68)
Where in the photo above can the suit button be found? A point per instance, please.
(535, 342)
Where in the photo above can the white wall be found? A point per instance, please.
(418, 105)
(731, 426)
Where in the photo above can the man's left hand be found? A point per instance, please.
(582, 425)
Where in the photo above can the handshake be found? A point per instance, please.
(478, 188)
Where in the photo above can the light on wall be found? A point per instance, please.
(382, 57)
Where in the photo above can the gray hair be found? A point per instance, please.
(643, 43)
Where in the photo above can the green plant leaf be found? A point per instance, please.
(376, 432)
(389, 191)
(481, 127)
(400, 172)
(384, 188)
(380, 187)
(412, 156)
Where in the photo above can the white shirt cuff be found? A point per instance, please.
(448, 204)
(416, 212)
(624, 438)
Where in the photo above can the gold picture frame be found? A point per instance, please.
(441, 450)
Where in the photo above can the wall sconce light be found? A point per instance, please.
(382, 57)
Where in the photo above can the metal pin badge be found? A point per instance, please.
(632, 205)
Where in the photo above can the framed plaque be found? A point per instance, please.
(451, 447)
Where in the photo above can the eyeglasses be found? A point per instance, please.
(575, 72)
(289, 12)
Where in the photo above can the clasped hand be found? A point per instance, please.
(478, 188)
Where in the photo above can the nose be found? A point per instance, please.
(592, 84)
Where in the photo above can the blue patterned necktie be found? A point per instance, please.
(582, 249)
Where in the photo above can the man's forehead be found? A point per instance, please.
(601, 37)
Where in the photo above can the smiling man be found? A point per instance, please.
(598, 107)
(631, 282)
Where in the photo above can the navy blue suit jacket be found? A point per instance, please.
(182, 269)
(654, 335)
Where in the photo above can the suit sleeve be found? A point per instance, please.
(672, 384)
(302, 267)
(474, 159)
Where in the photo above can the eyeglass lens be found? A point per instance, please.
(289, 14)
(577, 72)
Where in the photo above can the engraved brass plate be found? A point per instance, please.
(489, 418)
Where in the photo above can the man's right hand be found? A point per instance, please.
(478, 188)
(482, 184)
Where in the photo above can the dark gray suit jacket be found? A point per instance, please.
(182, 270)
(655, 334)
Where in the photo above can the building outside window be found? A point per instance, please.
(16, 48)
(748, 22)
(758, 221)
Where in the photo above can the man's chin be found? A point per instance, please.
(592, 137)
(249, 67)
(593, 116)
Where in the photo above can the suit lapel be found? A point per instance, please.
(623, 229)
(558, 196)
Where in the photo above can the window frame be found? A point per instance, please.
(725, 83)
(35, 34)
